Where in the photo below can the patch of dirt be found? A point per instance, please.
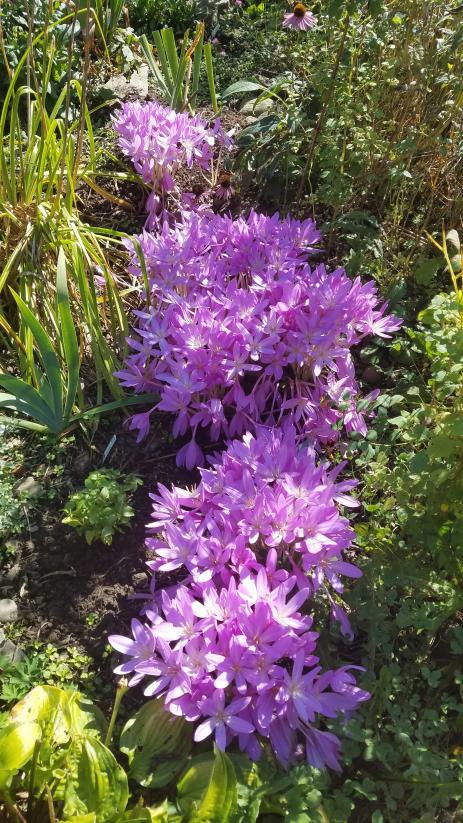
(72, 594)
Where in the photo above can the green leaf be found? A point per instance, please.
(17, 742)
(93, 782)
(242, 87)
(210, 76)
(136, 400)
(156, 743)
(170, 48)
(207, 791)
(426, 268)
(160, 814)
(47, 353)
(60, 714)
(163, 79)
(22, 397)
(68, 333)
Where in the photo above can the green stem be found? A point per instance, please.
(51, 808)
(324, 110)
(32, 777)
(121, 690)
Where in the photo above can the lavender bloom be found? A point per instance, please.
(250, 333)
(247, 342)
(233, 647)
(221, 717)
(159, 141)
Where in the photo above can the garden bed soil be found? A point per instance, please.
(72, 594)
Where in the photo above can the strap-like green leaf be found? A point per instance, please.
(211, 76)
(197, 60)
(68, 334)
(48, 355)
(170, 46)
(24, 398)
(138, 400)
(162, 72)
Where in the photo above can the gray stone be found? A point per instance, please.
(29, 486)
(140, 580)
(10, 650)
(136, 86)
(8, 610)
(257, 109)
(12, 574)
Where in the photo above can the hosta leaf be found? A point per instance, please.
(94, 782)
(141, 814)
(17, 741)
(62, 715)
(156, 743)
(45, 705)
(207, 791)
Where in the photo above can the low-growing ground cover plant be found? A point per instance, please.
(101, 508)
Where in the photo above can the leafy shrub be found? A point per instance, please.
(15, 24)
(101, 509)
(332, 128)
(150, 15)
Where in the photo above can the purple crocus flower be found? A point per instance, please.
(222, 717)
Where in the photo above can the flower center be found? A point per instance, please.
(299, 10)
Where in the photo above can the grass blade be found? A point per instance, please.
(68, 334)
(211, 77)
(47, 353)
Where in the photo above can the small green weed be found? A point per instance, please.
(100, 509)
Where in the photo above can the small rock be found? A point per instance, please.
(372, 376)
(12, 574)
(8, 610)
(140, 580)
(9, 650)
(134, 87)
(262, 107)
(82, 463)
(29, 486)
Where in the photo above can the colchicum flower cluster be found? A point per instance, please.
(159, 141)
(241, 330)
(245, 339)
(233, 647)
